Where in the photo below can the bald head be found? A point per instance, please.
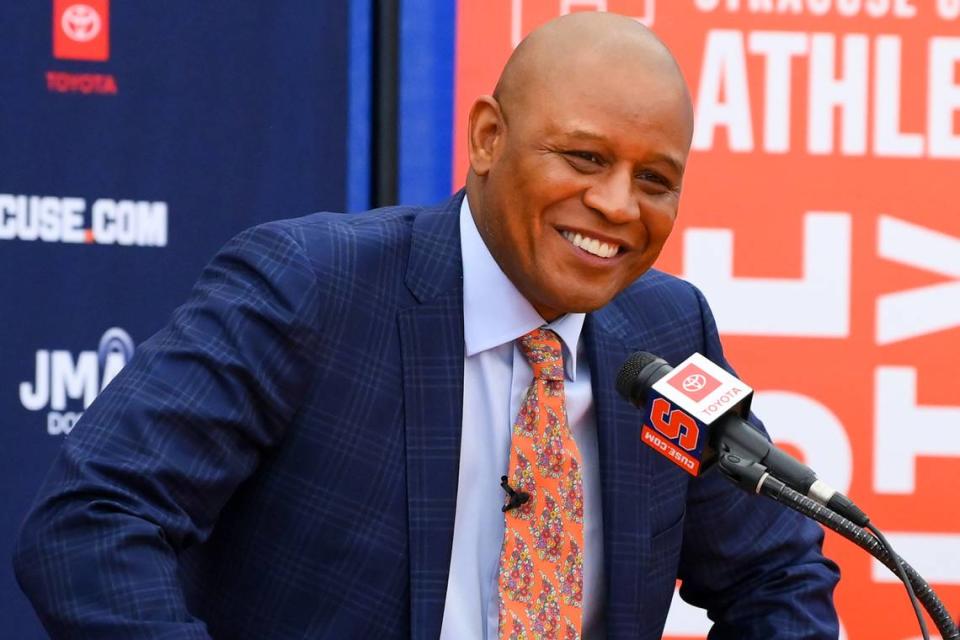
(592, 42)
(576, 161)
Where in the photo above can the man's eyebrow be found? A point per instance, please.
(588, 135)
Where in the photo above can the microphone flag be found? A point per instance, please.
(683, 404)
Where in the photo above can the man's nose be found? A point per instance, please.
(613, 196)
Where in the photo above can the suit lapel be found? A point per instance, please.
(431, 342)
(624, 476)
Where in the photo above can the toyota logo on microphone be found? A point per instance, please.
(81, 22)
(694, 382)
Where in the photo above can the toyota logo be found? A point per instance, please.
(694, 382)
(81, 22)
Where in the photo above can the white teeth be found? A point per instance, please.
(592, 245)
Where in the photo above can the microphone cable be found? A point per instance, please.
(899, 562)
(753, 476)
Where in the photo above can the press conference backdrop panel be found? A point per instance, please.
(820, 216)
(135, 139)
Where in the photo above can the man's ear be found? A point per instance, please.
(486, 128)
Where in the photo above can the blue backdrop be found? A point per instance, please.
(425, 118)
(120, 177)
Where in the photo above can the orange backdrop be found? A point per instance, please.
(820, 215)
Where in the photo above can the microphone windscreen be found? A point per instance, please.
(635, 375)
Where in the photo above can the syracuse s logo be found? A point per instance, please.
(675, 424)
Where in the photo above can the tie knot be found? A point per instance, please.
(542, 349)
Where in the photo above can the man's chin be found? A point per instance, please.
(551, 309)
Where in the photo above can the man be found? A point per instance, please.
(313, 447)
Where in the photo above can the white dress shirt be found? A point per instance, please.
(496, 376)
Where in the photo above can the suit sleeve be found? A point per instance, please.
(755, 566)
(148, 468)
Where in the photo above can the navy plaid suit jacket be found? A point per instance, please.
(281, 460)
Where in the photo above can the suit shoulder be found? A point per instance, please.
(659, 313)
(379, 228)
(377, 241)
(364, 256)
(656, 288)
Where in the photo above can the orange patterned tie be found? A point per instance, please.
(541, 563)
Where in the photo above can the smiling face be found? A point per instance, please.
(575, 174)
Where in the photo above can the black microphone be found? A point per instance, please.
(736, 444)
(517, 498)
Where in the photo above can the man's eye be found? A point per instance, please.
(587, 156)
(655, 178)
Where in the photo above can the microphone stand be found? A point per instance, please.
(754, 477)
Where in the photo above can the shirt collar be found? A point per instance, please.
(494, 312)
